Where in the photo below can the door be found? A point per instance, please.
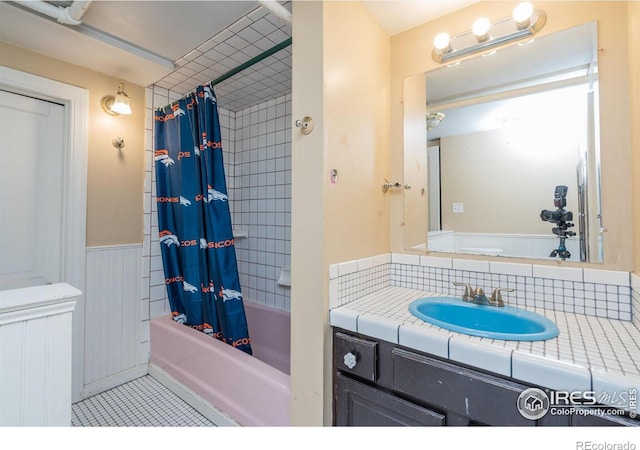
(433, 158)
(583, 226)
(32, 181)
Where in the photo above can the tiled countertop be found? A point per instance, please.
(590, 354)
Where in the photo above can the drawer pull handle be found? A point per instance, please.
(350, 360)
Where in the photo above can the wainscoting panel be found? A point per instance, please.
(35, 355)
(116, 338)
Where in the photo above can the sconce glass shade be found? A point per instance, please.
(121, 102)
(118, 104)
(522, 15)
(481, 28)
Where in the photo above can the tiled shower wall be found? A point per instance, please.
(261, 199)
(257, 155)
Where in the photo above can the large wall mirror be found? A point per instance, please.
(512, 158)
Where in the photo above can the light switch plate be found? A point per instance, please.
(458, 208)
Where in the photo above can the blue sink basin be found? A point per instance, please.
(507, 323)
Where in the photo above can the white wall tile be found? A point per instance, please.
(333, 271)
(606, 276)
(471, 265)
(348, 267)
(436, 261)
(386, 258)
(558, 273)
(366, 263)
(403, 258)
(511, 268)
(334, 300)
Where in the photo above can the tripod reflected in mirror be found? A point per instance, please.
(562, 219)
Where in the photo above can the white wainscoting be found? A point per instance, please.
(35, 355)
(116, 336)
(495, 244)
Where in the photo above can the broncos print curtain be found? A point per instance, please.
(196, 237)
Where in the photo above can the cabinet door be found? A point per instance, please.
(480, 397)
(358, 404)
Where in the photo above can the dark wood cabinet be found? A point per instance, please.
(463, 393)
(358, 404)
(377, 383)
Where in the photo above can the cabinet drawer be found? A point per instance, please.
(481, 397)
(355, 355)
(358, 404)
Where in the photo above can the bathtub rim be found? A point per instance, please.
(278, 382)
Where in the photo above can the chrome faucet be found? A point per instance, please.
(478, 296)
(496, 296)
(468, 291)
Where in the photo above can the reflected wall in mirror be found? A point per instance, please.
(512, 162)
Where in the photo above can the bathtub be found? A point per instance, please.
(248, 390)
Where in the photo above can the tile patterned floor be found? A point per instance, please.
(143, 402)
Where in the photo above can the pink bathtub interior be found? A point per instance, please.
(252, 390)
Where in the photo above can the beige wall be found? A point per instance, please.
(504, 180)
(341, 80)
(416, 199)
(409, 57)
(356, 71)
(634, 60)
(115, 180)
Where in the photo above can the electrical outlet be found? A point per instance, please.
(458, 208)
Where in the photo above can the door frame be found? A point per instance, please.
(76, 103)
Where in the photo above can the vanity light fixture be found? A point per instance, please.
(525, 22)
(481, 29)
(118, 104)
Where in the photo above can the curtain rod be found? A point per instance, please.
(249, 63)
(252, 61)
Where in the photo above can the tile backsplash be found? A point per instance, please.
(635, 298)
(592, 292)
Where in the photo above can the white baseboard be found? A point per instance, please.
(194, 400)
(105, 384)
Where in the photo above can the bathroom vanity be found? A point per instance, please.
(377, 383)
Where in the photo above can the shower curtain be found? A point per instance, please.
(196, 237)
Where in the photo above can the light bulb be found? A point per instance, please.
(481, 29)
(522, 14)
(442, 43)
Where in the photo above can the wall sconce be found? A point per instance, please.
(525, 21)
(118, 104)
(434, 119)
